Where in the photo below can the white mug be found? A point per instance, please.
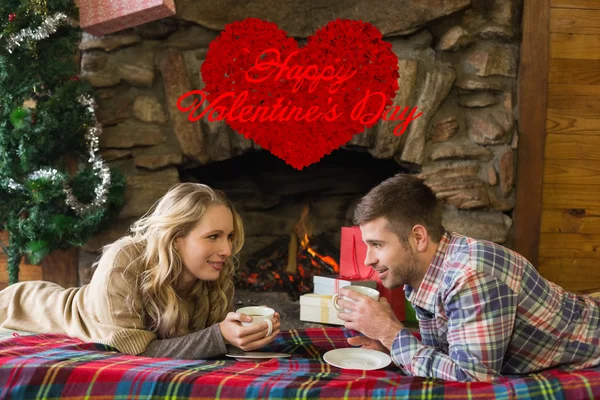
(259, 315)
(372, 293)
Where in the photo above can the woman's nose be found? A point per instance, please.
(226, 248)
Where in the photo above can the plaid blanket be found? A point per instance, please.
(57, 366)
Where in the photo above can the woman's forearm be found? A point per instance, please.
(196, 345)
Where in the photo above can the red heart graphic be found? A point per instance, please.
(264, 85)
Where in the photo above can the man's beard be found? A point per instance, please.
(403, 272)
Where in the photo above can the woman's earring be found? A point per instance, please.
(175, 247)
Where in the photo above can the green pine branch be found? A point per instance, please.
(42, 125)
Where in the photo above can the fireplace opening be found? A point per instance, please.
(292, 219)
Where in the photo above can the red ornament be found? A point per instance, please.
(12, 16)
(74, 78)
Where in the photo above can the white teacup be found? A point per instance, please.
(259, 315)
(372, 293)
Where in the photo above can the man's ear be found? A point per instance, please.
(421, 237)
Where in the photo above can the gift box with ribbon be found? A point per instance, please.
(318, 308)
(107, 16)
(353, 252)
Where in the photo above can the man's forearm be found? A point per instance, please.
(416, 359)
(389, 333)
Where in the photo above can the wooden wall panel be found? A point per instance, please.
(573, 147)
(567, 122)
(586, 4)
(569, 241)
(581, 47)
(569, 245)
(571, 196)
(59, 267)
(572, 220)
(27, 272)
(574, 97)
(568, 171)
(573, 71)
(574, 274)
(581, 21)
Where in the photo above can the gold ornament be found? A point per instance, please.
(30, 103)
(37, 7)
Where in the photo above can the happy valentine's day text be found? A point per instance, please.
(280, 112)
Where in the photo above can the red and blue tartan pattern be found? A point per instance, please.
(56, 366)
(484, 311)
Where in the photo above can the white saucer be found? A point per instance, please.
(256, 355)
(356, 358)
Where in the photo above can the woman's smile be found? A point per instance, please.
(217, 265)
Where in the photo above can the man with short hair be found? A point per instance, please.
(483, 310)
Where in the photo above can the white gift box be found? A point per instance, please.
(318, 308)
(331, 284)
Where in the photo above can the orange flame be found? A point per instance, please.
(252, 278)
(304, 241)
(326, 259)
(303, 230)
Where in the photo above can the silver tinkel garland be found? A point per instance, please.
(101, 170)
(43, 173)
(98, 165)
(47, 28)
(47, 173)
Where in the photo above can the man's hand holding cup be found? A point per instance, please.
(360, 309)
(372, 293)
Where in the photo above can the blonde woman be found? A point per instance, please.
(166, 290)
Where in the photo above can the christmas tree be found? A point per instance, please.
(47, 126)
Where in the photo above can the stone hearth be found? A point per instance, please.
(457, 62)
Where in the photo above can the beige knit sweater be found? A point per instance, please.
(97, 312)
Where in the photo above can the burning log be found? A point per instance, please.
(292, 252)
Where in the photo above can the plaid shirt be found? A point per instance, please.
(484, 311)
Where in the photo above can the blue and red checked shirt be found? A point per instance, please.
(484, 311)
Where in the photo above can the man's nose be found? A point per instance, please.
(370, 258)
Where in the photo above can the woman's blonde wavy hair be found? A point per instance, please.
(154, 235)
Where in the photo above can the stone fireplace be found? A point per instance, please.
(457, 62)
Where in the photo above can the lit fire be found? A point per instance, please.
(303, 229)
(291, 266)
(329, 260)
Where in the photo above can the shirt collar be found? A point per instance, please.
(424, 296)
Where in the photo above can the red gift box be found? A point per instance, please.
(353, 252)
(101, 17)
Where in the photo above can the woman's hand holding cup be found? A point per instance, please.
(250, 328)
(258, 315)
